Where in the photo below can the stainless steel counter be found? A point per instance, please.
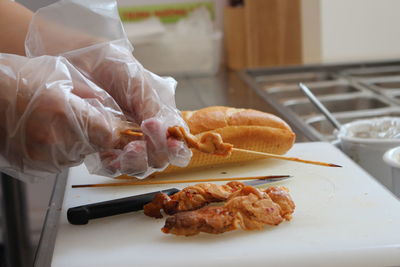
(226, 89)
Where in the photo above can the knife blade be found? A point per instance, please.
(81, 215)
(265, 181)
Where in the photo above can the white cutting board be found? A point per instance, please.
(343, 217)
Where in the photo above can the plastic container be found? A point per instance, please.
(392, 158)
(366, 141)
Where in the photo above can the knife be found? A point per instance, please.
(82, 214)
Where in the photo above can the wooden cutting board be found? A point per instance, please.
(343, 216)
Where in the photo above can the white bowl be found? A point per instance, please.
(392, 158)
(368, 151)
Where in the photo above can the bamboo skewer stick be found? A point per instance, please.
(269, 155)
(132, 133)
(181, 181)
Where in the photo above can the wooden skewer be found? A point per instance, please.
(181, 181)
(189, 139)
(286, 158)
(132, 133)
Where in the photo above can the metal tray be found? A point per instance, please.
(287, 79)
(350, 91)
(372, 72)
(325, 131)
(320, 89)
(338, 104)
(383, 85)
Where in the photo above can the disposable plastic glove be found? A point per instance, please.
(95, 43)
(52, 117)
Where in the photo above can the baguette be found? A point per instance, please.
(244, 128)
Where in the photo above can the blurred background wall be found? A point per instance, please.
(350, 30)
(332, 31)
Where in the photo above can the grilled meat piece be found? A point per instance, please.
(207, 142)
(213, 220)
(190, 198)
(280, 195)
(249, 208)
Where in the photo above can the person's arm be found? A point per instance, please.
(14, 23)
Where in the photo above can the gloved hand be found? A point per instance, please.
(145, 98)
(52, 117)
(105, 57)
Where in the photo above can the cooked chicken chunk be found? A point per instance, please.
(190, 198)
(207, 142)
(249, 208)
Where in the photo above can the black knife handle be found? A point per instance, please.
(82, 214)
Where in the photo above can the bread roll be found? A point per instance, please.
(244, 128)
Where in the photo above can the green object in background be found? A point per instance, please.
(168, 13)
